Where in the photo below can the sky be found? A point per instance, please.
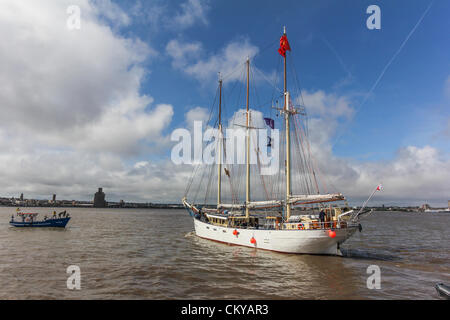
(95, 106)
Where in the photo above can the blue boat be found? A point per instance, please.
(29, 221)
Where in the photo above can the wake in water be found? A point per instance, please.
(370, 255)
(190, 234)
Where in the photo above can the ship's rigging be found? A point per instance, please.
(298, 180)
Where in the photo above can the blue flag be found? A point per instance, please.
(270, 122)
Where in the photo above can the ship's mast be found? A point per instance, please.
(219, 146)
(287, 116)
(247, 185)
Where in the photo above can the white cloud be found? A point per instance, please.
(326, 105)
(192, 11)
(239, 119)
(154, 14)
(182, 53)
(227, 61)
(73, 117)
(197, 114)
(121, 133)
(415, 174)
(111, 11)
(159, 15)
(73, 175)
(77, 88)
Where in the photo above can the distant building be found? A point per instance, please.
(21, 197)
(54, 198)
(99, 199)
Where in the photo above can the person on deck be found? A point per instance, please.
(322, 218)
(54, 214)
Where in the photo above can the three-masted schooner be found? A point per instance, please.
(289, 224)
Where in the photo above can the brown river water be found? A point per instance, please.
(153, 254)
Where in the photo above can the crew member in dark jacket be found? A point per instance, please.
(322, 217)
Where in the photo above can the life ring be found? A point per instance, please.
(301, 226)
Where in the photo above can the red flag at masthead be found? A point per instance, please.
(284, 45)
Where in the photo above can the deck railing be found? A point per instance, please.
(310, 225)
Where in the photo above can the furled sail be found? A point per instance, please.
(312, 198)
(251, 205)
(255, 204)
(230, 206)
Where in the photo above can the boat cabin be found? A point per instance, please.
(312, 222)
(242, 221)
(217, 220)
(334, 218)
(223, 220)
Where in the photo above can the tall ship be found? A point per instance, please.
(284, 212)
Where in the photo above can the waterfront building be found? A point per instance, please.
(99, 199)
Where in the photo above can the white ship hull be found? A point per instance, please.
(286, 241)
(437, 210)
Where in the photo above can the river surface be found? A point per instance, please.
(154, 254)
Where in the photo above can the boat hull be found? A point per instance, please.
(286, 241)
(443, 290)
(50, 223)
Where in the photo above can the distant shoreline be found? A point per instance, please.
(153, 206)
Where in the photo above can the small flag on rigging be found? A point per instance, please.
(270, 122)
(379, 187)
